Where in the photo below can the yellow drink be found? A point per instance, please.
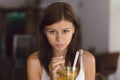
(67, 74)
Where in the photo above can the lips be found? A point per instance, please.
(59, 45)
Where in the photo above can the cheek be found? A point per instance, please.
(50, 39)
(69, 38)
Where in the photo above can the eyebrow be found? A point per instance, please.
(55, 29)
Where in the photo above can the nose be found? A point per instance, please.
(59, 37)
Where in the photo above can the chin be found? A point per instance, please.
(61, 49)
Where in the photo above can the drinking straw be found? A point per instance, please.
(75, 60)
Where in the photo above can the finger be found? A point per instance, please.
(55, 69)
(57, 58)
(58, 63)
(53, 65)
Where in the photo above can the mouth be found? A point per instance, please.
(59, 46)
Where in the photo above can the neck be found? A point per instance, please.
(60, 53)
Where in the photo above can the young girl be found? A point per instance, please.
(59, 41)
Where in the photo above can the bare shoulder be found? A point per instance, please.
(89, 59)
(33, 58)
(33, 63)
(89, 65)
(88, 56)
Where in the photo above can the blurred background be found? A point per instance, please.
(19, 37)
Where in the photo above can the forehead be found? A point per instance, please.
(60, 25)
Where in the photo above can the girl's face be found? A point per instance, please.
(59, 34)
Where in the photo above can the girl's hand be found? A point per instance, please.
(55, 65)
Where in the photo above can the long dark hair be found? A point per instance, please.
(55, 13)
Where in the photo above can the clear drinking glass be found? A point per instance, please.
(67, 74)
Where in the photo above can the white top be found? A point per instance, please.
(81, 75)
(45, 75)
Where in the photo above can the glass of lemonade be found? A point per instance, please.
(67, 74)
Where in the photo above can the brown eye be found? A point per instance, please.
(52, 32)
(65, 31)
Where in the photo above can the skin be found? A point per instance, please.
(59, 36)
